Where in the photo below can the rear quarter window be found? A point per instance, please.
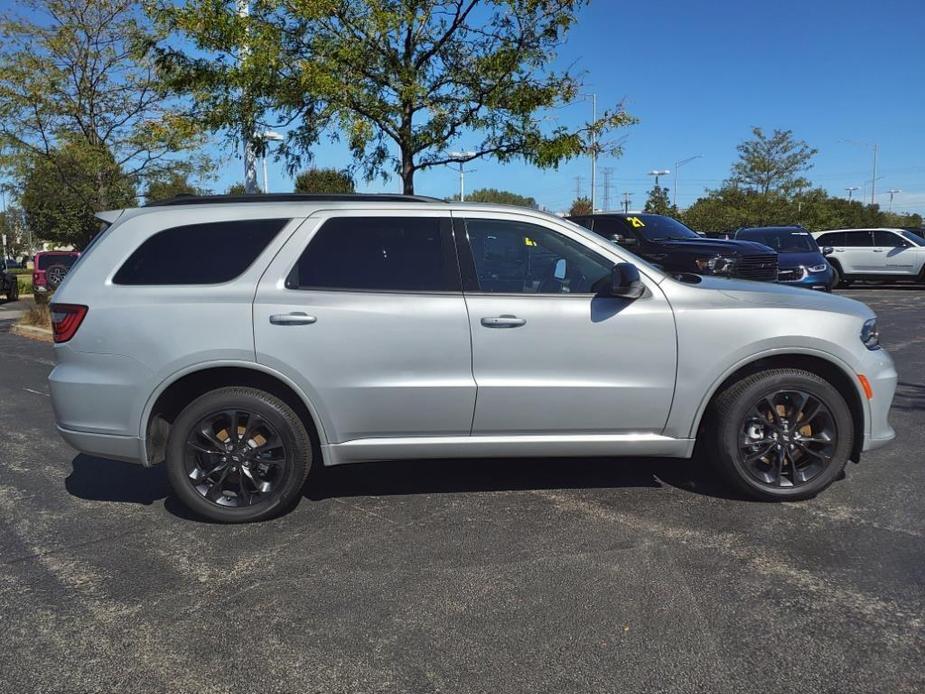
(209, 253)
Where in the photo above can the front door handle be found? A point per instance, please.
(297, 318)
(503, 322)
(878, 250)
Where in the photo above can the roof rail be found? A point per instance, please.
(291, 197)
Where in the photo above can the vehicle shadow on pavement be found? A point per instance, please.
(909, 396)
(491, 475)
(98, 479)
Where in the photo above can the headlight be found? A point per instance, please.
(716, 265)
(819, 268)
(870, 334)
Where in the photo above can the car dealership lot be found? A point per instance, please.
(498, 575)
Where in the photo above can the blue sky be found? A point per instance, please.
(699, 74)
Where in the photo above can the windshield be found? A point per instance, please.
(915, 238)
(781, 240)
(65, 259)
(658, 228)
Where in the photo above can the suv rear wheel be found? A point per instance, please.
(237, 455)
(781, 435)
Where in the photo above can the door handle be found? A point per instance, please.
(503, 322)
(878, 250)
(296, 318)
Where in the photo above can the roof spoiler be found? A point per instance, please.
(109, 216)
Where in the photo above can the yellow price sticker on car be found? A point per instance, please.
(636, 222)
(528, 241)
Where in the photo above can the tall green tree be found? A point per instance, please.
(773, 164)
(659, 202)
(324, 181)
(170, 185)
(65, 214)
(403, 82)
(71, 70)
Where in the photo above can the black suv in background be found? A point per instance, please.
(665, 242)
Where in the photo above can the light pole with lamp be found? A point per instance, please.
(657, 173)
(873, 179)
(678, 165)
(268, 136)
(851, 190)
(892, 192)
(461, 158)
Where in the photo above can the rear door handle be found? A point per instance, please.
(878, 250)
(297, 318)
(503, 322)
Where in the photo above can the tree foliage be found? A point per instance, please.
(659, 202)
(580, 206)
(400, 81)
(72, 71)
(324, 181)
(170, 185)
(773, 164)
(63, 213)
(502, 197)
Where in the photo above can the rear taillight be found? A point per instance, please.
(65, 319)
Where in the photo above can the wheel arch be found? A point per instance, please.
(180, 389)
(836, 373)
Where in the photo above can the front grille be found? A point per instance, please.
(762, 268)
(791, 274)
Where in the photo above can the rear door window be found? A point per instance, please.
(209, 253)
(858, 239)
(398, 254)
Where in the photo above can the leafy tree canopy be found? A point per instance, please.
(62, 192)
(401, 81)
(502, 197)
(72, 70)
(659, 202)
(580, 206)
(773, 164)
(324, 181)
(170, 185)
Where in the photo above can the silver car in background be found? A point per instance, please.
(244, 341)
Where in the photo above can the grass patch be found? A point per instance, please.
(25, 283)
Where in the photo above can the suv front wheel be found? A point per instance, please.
(237, 455)
(781, 435)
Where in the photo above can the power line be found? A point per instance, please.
(578, 180)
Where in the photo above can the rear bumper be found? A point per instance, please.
(129, 449)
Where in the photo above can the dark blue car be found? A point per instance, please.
(800, 261)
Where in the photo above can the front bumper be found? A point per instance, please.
(882, 376)
(802, 277)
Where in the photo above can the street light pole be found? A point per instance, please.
(892, 192)
(657, 173)
(268, 136)
(593, 153)
(678, 165)
(461, 158)
(850, 190)
(250, 155)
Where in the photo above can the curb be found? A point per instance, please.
(33, 333)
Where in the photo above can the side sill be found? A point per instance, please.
(552, 446)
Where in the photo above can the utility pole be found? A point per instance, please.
(657, 173)
(851, 190)
(250, 155)
(892, 192)
(593, 150)
(873, 179)
(626, 203)
(608, 172)
(674, 188)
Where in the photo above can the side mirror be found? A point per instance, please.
(625, 282)
(827, 250)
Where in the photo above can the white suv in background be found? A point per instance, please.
(859, 254)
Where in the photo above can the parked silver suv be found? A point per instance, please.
(243, 342)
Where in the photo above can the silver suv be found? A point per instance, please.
(243, 342)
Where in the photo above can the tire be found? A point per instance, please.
(744, 425)
(54, 275)
(231, 491)
(13, 294)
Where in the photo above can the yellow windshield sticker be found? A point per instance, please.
(636, 222)
(528, 241)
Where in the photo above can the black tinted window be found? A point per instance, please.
(835, 238)
(199, 253)
(857, 238)
(888, 239)
(378, 254)
(512, 257)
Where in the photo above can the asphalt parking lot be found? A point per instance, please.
(471, 576)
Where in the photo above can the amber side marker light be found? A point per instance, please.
(865, 384)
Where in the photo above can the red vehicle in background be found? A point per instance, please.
(50, 269)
